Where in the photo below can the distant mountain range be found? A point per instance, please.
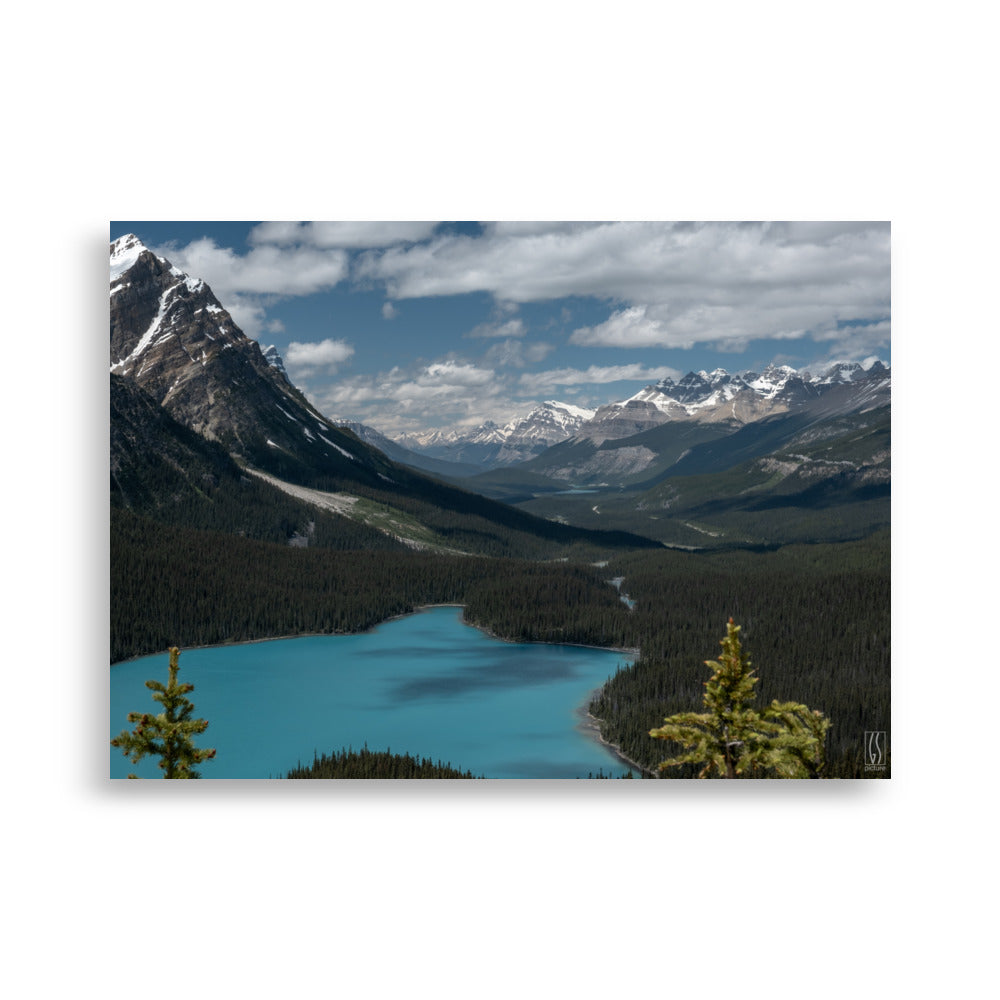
(491, 445)
(699, 397)
(718, 397)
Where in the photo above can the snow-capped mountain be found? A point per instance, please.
(546, 425)
(550, 422)
(717, 396)
(172, 336)
(491, 445)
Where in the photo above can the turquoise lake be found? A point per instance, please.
(426, 684)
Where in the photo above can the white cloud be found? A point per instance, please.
(859, 341)
(265, 270)
(352, 235)
(672, 284)
(324, 356)
(244, 282)
(542, 382)
(247, 313)
(626, 328)
(444, 393)
(389, 311)
(453, 373)
(539, 228)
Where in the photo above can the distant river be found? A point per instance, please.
(426, 684)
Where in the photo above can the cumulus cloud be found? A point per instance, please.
(244, 283)
(248, 314)
(626, 328)
(453, 392)
(529, 228)
(672, 284)
(389, 311)
(541, 382)
(447, 374)
(265, 270)
(445, 393)
(857, 340)
(318, 357)
(348, 235)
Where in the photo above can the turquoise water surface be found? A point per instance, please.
(426, 684)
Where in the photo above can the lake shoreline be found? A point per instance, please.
(587, 724)
(418, 657)
(391, 618)
(591, 726)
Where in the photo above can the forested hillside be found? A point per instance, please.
(815, 619)
(178, 586)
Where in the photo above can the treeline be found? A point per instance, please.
(179, 586)
(367, 763)
(816, 622)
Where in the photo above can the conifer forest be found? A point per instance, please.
(175, 585)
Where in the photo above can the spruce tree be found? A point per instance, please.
(167, 735)
(732, 739)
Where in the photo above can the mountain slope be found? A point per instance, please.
(786, 479)
(171, 337)
(163, 470)
(170, 334)
(735, 400)
(404, 456)
(704, 423)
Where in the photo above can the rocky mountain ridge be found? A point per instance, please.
(716, 397)
(719, 397)
(172, 336)
(491, 445)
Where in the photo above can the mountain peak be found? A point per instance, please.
(125, 251)
(273, 358)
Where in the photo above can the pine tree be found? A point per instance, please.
(732, 739)
(167, 735)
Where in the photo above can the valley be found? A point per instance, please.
(240, 512)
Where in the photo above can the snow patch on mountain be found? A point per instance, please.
(548, 423)
(271, 355)
(125, 251)
(150, 336)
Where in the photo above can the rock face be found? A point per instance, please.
(172, 336)
(546, 425)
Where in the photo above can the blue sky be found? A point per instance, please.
(410, 326)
